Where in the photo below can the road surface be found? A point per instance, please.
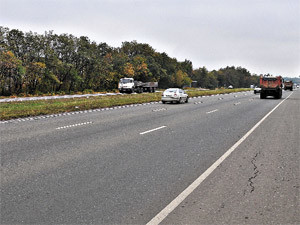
(124, 165)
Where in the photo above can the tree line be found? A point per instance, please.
(32, 63)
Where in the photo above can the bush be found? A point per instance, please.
(88, 91)
(61, 93)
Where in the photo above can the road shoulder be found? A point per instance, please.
(258, 183)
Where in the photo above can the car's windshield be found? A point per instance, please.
(125, 81)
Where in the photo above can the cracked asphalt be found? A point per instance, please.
(258, 183)
(251, 182)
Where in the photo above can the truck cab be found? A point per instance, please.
(126, 85)
(129, 85)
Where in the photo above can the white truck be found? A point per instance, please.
(129, 85)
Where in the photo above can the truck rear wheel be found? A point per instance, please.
(278, 95)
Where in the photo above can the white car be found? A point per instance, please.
(257, 90)
(174, 95)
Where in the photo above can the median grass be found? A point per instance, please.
(23, 109)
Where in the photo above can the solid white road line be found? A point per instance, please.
(212, 111)
(183, 195)
(148, 131)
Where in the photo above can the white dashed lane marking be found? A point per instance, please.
(237, 103)
(212, 111)
(73, 125)
(157, 110)
(148, 131)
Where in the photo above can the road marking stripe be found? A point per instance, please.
(73, 125)
(212, 111)
(157, 110)
(183, 195)
(148, 131)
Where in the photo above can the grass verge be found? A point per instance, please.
(14, 110)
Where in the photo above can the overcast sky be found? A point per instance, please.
(262, 36)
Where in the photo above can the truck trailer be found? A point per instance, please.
(129, 85)
(271, 86)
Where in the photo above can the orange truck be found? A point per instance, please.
(271, 86)
(288, 85)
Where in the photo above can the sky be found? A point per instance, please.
(262, 36)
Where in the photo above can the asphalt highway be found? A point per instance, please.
(124, 165)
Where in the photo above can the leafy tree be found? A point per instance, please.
(35, 73)
(141, 71)
(180, 79)
(201, 76)
(132, 49)
(15, 42)
(128, 70)
(187, 67)
(3, 38)
(11, 73)
(212, 81)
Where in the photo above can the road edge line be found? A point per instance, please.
(183, 195)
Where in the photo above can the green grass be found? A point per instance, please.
(13, 110)
(195, 92)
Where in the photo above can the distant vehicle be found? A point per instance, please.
(288, 85)
(257, 90)
(230, 87)
(175, 95)
(129, 85)
(271, 86)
